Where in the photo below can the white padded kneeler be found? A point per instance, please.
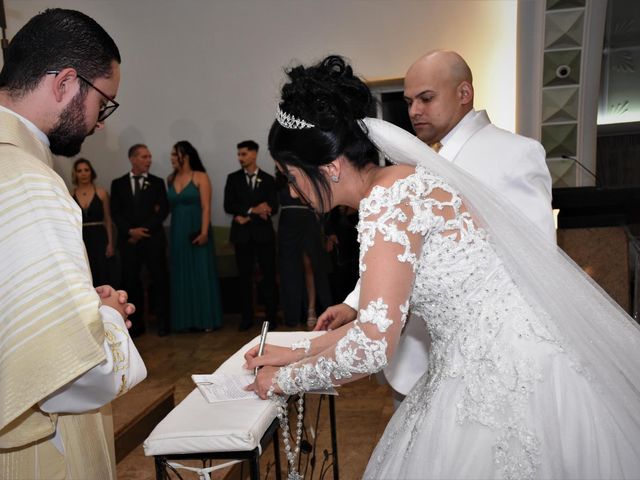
(196, 426)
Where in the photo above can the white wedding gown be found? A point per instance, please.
(501, 399)
(503, 396)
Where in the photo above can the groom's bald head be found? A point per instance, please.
(439, 92)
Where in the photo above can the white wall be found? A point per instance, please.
(209, 71)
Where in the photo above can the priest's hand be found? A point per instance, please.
(108, 294)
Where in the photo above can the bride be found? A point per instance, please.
(533, 373)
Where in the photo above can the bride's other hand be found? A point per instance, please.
(263, 382)
(272, 356)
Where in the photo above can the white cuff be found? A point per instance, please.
(122, 369)
(354, 297)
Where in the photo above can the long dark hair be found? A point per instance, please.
(183, 147)
(329, 96)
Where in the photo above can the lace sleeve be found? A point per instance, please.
(390, 244)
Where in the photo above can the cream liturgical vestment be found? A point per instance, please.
(512, 165)
(63, 356)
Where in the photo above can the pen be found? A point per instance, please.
(263, 339)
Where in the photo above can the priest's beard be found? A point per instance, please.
(67, 136)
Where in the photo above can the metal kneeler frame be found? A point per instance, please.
(253, 456)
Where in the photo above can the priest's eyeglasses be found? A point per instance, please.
(107, 108)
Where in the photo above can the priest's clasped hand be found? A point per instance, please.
(116, 299)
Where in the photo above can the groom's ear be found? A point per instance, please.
(465, 93)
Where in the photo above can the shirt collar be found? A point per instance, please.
(145, 175)
(467, 118)
(29, 124)
(256, 172)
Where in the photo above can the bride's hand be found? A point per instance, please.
(263, 382)
(272, 356)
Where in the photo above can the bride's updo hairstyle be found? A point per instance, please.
(330, 98)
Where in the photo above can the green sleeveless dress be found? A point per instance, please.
(195, 290)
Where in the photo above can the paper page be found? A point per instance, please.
(222, 387)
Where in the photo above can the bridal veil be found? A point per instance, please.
(600, 337)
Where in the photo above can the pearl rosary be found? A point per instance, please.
(283, 418)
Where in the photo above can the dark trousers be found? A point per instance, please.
(246, 256)
(150, 253)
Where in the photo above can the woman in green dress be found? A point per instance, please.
(195, 292)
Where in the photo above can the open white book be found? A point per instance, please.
(224, 387)
(228, 384)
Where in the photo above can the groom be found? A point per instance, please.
(438, 90)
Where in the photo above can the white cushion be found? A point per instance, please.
(196, 426)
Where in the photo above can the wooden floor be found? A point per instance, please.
(362, 409)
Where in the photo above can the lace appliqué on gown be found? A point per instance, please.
(362, 350)
(376, 313)
(474, 312)
(354, 353)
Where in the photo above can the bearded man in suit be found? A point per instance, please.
(250, 196)
(139, 205)
(438, 90)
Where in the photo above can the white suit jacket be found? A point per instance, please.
(510, 164)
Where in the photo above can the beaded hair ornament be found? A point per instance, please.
(290, 122)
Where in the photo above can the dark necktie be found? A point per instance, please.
(136, 185)
(251, 176)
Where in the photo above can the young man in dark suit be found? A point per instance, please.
(139, 206)
(250, 196)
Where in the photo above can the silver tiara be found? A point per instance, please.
(291, 122)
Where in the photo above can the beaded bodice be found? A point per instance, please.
(483, 335)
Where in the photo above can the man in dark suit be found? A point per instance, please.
(139, 206)
(250, 196)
